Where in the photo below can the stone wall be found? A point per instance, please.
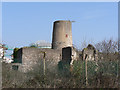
(32, 57)
(28, 58)
(70, 53)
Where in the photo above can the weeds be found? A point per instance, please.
(60, 77)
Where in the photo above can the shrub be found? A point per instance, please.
(15, 52)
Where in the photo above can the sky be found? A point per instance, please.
(24, 23)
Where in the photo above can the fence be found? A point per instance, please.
(97, 73)
(101, 74)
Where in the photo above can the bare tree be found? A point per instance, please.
(107, 46)
(83, 44)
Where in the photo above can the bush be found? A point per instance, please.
(15, 52)
(56, 77)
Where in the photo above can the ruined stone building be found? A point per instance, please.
(62, 50)
(29, 57)
(90, 53)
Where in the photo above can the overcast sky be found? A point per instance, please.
(25, 23)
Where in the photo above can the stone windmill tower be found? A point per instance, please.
(62, 34)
